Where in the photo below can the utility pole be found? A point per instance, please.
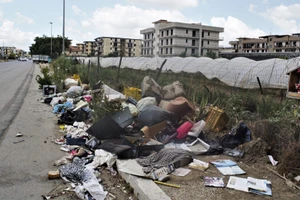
(51, 41)
(63, 45)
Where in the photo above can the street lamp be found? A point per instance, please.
(51, 39)
(63, 44)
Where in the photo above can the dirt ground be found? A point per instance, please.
(192, 185)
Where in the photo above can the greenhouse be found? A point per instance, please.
(238, 72)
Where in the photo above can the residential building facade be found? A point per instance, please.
(7, 50)
(128, 47)
(89, 48)
(268, 43)
(74, 51)
(176, 38)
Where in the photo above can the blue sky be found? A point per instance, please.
(22, 20)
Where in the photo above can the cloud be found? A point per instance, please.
(126, 21)
(78, 11)
(24, 19)
(252, 8)
(285, 17)
(170, 4)
(265, 1)
(13, 36)
(6, 1)
(234, 28)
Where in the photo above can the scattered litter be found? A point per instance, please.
(16, 142)
(19, 134)
(53, 175)
(274, 162)
(181, 172)
(213, 181)
(167, 184)
(228, 167)
(199, 165)
(252, 185)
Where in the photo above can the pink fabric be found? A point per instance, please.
(88, 98)
(184, 129)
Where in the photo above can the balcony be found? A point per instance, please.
(207, 46)
(213, 38)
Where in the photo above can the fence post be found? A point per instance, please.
(160, 69)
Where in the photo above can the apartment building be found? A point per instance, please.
(268, 43)
(7, 50)
(89, 48)
(115, 45)
(176, 38)
(74, 51)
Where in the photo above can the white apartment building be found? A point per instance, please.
(176, 38)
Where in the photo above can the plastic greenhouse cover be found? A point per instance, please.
(238, 72)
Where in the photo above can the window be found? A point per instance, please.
(161, 42)
(186, 40)
(166, 50)
(115, 44)
(185, 50)
(162, 33)
(186, 31)
(167, 32)
(208, 33)
(193, 51)
(116, 40)
(116, 49)
(167, 42)
(161, 51)
(171, 41)
(171, 31)
(193, 42)
(208, 42)
(194, 33)
(170, 50)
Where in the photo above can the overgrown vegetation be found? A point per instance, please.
(272, 117)
(47, 79)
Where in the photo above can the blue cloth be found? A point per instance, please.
(60, 108)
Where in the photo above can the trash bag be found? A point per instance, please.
(69, 117)
(237, 136)
(173, 90)
(152, 115)
(141, 104)
(74, 91)
(151, 89)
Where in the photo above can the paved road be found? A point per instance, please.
(15, 78)
(24, 165)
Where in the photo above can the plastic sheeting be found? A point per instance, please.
(238, 72)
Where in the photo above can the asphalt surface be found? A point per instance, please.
(15, 78)
(25, 161)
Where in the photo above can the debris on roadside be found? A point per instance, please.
(147, 133)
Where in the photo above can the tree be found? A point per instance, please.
(12, 56)
(211, 54)
(42, 45)
(183, 54)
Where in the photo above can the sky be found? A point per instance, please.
(22, 20)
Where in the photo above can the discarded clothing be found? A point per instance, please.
(102, 157)
(237, 136)
(73, 171)
(77, 172)
(60, 108)
(164, 158)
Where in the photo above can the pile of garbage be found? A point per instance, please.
(148, 133)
